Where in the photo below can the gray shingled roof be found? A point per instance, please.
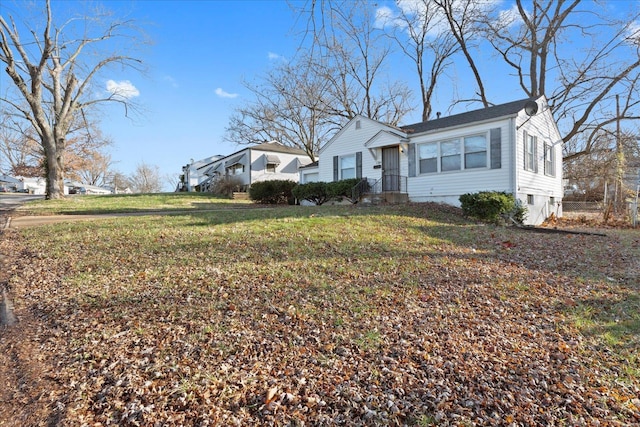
(277, 147)
(502, 110)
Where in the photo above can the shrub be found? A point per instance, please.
(272, 192)
(519, 212)
(226, 185)
(490, 206)
(343, 188)
(315, 192)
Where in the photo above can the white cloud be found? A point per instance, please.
(274, 56)
(385, 17)
(633, 33)
(510, 17)
(122, 89)
(222, 94)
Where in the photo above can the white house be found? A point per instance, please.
(262, 162)
(513, 147)
(193, 173)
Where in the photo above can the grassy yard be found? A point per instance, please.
(123, 203)
(392, 315)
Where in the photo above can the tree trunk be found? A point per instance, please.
(54, 168)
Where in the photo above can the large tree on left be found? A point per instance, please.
(53, 72)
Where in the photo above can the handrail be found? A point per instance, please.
(396, 183)
(362, 187)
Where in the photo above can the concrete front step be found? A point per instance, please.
(386, 197)
(240, 195)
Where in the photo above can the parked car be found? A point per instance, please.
(4, 189)
(77, 190)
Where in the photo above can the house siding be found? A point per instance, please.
(447, 187)
(351, 141)
(537, 185)
(503, 127)
(286, 170)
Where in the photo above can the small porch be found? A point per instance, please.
(388, 189)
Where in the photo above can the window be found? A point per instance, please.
(475, 152)
(450, 155)
(530, 199)
(549, 160)
(530, 148)
(271, 167)
(310, 177)
(428, 158)
(236, 169)
(348, 167)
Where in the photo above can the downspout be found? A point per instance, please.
(514, 156)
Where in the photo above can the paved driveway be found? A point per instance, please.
(10, 201)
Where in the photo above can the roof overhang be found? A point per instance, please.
(234, 160)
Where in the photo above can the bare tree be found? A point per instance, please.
(146, 179)
(19, 149)
(462, 17)
(420, 32)
(536, 40)
(93, 169)
(352, 54)
(53, 81)
(290, 106)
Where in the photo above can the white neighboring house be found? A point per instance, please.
(20, 183)
(514, 147)
(262, 162)
(193, 173)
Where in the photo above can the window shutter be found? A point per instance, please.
(525, 142)
(535, 154)
(336, 176)
(495, 137)
(411, 152)
(359, 164)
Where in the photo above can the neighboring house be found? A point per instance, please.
(262, 162)
(76, 187)
(513, 147)
(193, 173)
(31, 185)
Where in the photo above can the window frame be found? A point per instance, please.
(271, 167)
(549, 159)
(341, 169)
(530, 152)
(232, 170)
(461, 154)
(485, 151)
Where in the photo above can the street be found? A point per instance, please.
(9, 201)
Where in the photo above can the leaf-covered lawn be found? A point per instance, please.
(397, 315)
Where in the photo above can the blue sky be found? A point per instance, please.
(202, 51)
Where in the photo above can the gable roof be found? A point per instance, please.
(355, 119)
(496, 111)
(278, 148)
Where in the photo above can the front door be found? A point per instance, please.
(391, 169)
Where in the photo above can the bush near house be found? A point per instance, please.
(340, 189)
(491, 206)
(225, 186)
(272, 192)
(321, 192)
(314, 192)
